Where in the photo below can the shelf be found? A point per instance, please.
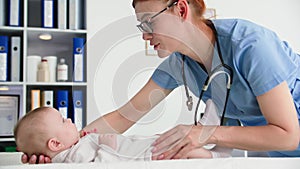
(57, 84)
(11, 83)
(11, 28)
(6, 139)
(61, 45)
(55, 30)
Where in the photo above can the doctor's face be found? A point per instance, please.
(159, 26)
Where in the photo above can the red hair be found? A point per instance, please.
(198, 6)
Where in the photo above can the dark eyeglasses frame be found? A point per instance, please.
(145, 26)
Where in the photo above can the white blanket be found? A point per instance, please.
(12, 161)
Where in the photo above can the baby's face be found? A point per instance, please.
(63, 129)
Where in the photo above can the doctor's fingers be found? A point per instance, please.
(179, 151)
(171, 151)
(167, 144)
(183, 152)
(171, 138)
(184, 147)
(163, 137)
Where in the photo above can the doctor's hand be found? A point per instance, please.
(179, 141)
(41, 159)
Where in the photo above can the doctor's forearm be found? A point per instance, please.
(259, 138)
(104, 124)
(121, 119)
(114, 122)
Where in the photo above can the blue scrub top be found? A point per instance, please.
(259, 60)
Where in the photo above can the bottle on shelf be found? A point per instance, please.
(43, 73)
(62, 71)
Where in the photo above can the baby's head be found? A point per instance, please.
(45, 131)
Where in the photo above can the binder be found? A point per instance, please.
(78, 59)
(47, 98)
(34, 13)
(2, 12)
(35, 99)
(3, 57)
(15, 58)
(62, 102)
(14, 8)
(48, 13)
(77, 108)
(75, 14)
(62, 14)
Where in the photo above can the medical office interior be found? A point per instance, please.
(116, 62)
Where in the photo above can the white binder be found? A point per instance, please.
(15, 58)
(47, 98)
(75, 14)
(14, 12)
(2, 12)
(62, 14)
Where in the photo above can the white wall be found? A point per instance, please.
(118, 67)
(282, 16)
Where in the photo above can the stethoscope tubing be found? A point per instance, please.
(215, 72)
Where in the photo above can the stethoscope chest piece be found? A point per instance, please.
(189, 103)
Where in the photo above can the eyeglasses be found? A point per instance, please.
(146, 27)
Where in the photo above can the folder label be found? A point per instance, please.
(14, 12)
(63, 111)
(78, 67)
(48, 13)
(78, 52)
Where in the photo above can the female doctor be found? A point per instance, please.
(262, 72)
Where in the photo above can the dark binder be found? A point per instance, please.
(78, 59)
(77, 108)
(62, 102)
(3, 58)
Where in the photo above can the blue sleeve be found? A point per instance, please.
(168, 74)
(265, 62)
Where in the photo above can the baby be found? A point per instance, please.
(45, 131)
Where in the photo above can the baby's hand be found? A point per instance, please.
(109, 140)
(83, 133)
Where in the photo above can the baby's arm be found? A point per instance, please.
(199, 153)
(216, 152)
(109, 140)
(221, 152)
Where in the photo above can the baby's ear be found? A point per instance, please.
(54, 144)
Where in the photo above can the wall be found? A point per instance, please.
(119, 66)
(278, 15)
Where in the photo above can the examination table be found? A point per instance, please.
(13, 161)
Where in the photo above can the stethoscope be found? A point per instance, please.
(220, 69)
